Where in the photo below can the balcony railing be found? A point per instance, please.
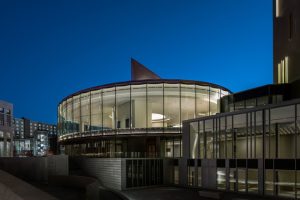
(111, 132)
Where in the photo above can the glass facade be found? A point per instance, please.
(260, 96)
(259, 142)
(144, 172)
(151, 108)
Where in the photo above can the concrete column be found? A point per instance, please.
(227, 168)
(183, 172)
(209, 173)
(261, 177)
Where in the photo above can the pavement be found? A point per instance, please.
(62, 193)
(178, 193)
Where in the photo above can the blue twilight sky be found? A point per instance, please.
(52, 48)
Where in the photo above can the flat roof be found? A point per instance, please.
(246, 110)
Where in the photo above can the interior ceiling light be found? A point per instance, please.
(156, 117)
(177, 126)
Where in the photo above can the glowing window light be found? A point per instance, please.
(279, 73)
(286, 69)
(157, 116)
(282, 71)
(277, 8)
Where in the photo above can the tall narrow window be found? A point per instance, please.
(277, 8)
(279, 73)
(286, 73)
(283, 70)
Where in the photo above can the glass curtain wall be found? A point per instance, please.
(69, 116)
(246, 137)
(202, 101)
(76, 113)
(159, 105)
(64, 117)
(139, 117)
(194, 140)
(123, 107)
(109, 109)
(85, 112)
(96, 111)
(153, 108)
(214, 97)
(171, 101)
(188, 103)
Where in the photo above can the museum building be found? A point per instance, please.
(137, 118)
(153, 131)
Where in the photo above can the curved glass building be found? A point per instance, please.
(138, 118)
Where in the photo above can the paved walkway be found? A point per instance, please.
(62, 193)
(177, 193)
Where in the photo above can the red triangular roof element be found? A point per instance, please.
(140, 72)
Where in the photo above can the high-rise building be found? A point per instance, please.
(286, 36)
(26, 137)
(6, 129)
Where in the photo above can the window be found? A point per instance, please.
(1, 119)
(277, 8)
(283, 70)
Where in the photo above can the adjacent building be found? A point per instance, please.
(6, 129)
(253, 146)
(286, 37)
(34, 138)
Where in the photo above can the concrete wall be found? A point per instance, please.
(106, 170)
(287, 37)
(168, 171)
(58, 165)
(209, 175)
(35, 168)
(12, 188)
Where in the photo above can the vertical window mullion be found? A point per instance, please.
(296, 147)
(247, 139)
(205, 140)
(209, 100)
(115, 122)
(199, 147)
(130, 109)
(163, 107)
(225, 142)
(101, 97)
(90, 128)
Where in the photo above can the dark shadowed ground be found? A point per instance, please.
(176, 193)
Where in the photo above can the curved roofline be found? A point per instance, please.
(137, 82)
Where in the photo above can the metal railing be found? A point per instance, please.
(112, 132)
